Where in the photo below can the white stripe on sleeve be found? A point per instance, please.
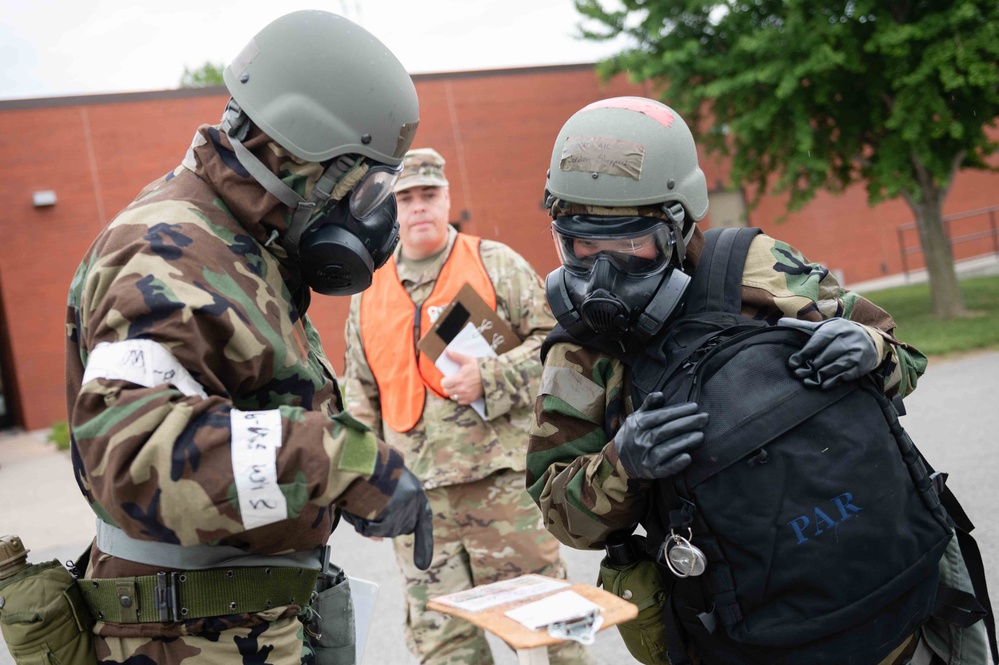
(142, 362)
(256, 437)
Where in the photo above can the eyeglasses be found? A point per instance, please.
(638, 254)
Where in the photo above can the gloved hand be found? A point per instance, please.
(408, 511)
(655, 440)
(839, 351)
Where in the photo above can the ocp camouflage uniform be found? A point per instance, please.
(485, 526)
(573, 471)
(188, 279)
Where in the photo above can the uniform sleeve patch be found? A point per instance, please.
(574, 389)
(360, 448)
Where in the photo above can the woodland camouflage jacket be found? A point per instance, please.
(573, 472)
(208, 412)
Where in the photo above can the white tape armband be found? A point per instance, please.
(256, 437)
(142, 362)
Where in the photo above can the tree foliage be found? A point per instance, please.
(810, 94)
(208, 74)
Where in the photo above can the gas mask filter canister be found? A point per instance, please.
(339, 252)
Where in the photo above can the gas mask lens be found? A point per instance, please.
(639, 254)
(370, 193)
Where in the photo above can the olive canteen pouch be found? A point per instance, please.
(640, 583)
(43, 616)
(331, 625)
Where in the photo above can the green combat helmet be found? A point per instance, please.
(627, 152)
(322, 86)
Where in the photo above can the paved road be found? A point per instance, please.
(953, 418)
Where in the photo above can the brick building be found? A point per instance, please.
(92, 154)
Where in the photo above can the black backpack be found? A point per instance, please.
(820, 523)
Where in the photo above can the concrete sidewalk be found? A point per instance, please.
(39, 499)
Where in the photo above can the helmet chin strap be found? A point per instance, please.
(236, 125)
(677, 215)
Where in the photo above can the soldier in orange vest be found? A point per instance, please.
(486, 528)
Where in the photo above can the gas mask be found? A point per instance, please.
(616, 277)
(347, 227)
(340, 252)
(339, 248)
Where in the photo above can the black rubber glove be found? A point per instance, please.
(408, 511)
(839, 350)
(655, 441)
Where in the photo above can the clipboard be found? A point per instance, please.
(468, 307)
(613, 610)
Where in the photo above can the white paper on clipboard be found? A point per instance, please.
(486, 596)
(562, 606)
(470, 342)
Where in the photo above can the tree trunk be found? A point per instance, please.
(946, 301)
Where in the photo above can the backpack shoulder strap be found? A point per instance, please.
(717, 282)
(955, 606)
(716, 286)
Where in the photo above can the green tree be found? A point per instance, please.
(810, 94)
(208, 74)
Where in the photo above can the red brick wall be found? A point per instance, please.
(494, 128)
(95, 157)
(847, 234)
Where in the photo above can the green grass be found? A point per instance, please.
(910, 307)
(59, 435)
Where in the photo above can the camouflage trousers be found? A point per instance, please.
(272, 636)
(484, 531)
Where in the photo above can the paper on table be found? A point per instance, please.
(470, 342)
(562, 606)
(485, 596)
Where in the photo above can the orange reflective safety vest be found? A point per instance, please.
(387, 330)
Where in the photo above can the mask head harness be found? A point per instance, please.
(347, 227)
(619, 274)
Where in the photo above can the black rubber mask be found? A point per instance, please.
(340, 253)
(608, 301)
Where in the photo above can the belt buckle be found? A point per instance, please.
(165, 596)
